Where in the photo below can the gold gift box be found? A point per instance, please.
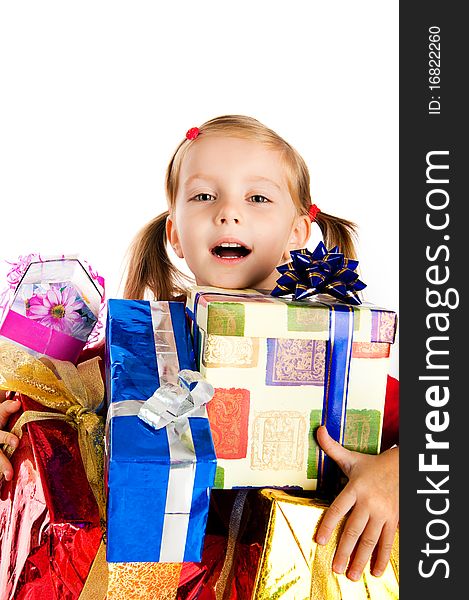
(294, 567)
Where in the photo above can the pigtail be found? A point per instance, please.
(338, 232)
(149, 266)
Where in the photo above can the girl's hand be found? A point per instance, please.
(372, 497)
(7, 408)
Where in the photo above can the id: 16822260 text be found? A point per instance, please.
(434, 70)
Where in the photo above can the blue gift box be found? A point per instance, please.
(158, 489)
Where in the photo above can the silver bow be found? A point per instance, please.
(173, 404)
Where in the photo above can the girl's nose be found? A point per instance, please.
(229, 212)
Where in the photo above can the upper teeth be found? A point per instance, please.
(230, 245)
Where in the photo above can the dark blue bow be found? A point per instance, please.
(320, 272)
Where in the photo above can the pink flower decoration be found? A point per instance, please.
(56, 309)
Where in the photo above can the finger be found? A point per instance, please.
(368, 540)
(336, 511)
(7, 408)
(334, 450)
(9, 438)
(353, 529)
(5, 467)
(385, 545)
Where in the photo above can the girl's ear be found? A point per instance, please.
(299, 235)
(173, 237)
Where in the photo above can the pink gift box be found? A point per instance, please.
(55, 307)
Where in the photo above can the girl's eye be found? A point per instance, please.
(203, 197)
(257, 198)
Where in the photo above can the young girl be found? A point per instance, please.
(238, 202)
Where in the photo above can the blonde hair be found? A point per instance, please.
(149, 265)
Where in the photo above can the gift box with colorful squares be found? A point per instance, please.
(160, 460)
(282, 366)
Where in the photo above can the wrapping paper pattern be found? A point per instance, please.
(48, 515)
(158, 490)
(269, 362)
(229, 418)
(129, 581)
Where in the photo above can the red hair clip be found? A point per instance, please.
(192, 133)
(313, 212)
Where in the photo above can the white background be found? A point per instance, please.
(95, 96)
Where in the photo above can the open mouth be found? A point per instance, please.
(230, 250)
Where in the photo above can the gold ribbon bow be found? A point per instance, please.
(76, 392)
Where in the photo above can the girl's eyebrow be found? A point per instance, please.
(261, 179)
(255, 179)
(198, 176)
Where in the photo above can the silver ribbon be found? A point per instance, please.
(173, 404)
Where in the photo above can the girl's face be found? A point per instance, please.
(234, 220)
